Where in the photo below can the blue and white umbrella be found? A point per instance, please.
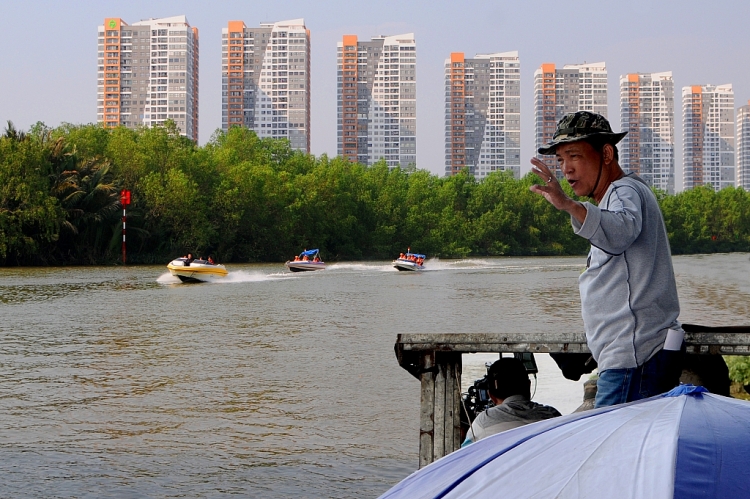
(686, 443)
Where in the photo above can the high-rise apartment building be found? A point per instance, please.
(147, 73)
(557, 92)
(377, 99)
(266, 80)
(708, 136)
(483, 113)
(647, 114)
(743, 147)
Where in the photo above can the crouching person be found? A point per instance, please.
(510, 391)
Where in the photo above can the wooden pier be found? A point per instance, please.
(435, 360)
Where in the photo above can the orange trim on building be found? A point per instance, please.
(235, 26)
(634, 124)
(112, 73)
(457, 110)
(235, 73)
(116, 26)
(549, 111)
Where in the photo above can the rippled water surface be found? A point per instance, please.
(122, 382)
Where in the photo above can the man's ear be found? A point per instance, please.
(608, 153)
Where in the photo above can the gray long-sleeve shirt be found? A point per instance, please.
(628, 291)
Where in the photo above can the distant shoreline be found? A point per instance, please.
(281, 262)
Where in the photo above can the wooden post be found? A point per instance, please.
(439, 414)
(427, 410)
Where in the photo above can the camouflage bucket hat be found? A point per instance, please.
(579, 126)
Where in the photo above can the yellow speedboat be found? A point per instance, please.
(196, 270)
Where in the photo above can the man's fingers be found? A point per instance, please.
(540, 169)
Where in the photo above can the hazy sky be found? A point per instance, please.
(48, 51)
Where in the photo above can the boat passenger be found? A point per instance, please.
(296, 258)
(401, 256)
(211, 260)
(316, 259)
(189, 259)
(305, 259)
(509, 389)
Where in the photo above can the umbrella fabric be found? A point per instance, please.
(685, 444)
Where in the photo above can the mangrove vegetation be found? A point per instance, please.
(246, 199)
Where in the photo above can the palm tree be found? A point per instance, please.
(91, 202)
(12, 133)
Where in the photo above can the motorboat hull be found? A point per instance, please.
(305, 266)
(196, 272)
(407, 265)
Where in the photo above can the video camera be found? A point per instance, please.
(477, 398)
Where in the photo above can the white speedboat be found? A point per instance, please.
(196, 270)
(409, 262)
(307, 261)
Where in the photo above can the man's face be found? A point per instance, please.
(580, 164)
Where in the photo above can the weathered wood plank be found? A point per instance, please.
(426, 410)
(450, 393)
(450, 384)
(453, 423)
(736, 342)
(440, 409)
(425, 341)
(720, 339)
(497, 347)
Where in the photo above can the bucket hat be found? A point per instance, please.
(579, 126)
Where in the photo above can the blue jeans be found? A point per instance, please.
(659, 374)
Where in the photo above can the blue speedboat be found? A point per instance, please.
(308, 260)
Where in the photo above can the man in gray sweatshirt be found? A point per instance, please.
(510, 391)
(628, 292)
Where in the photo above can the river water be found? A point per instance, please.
(122, 382)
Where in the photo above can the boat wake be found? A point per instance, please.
(235, 277)
(469, 263)
(494, 264)
(360, 267)
(167, 278)
(242, 276)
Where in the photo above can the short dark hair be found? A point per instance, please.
(507, 376)
(598, 144)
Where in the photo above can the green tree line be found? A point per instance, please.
(246, 199)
